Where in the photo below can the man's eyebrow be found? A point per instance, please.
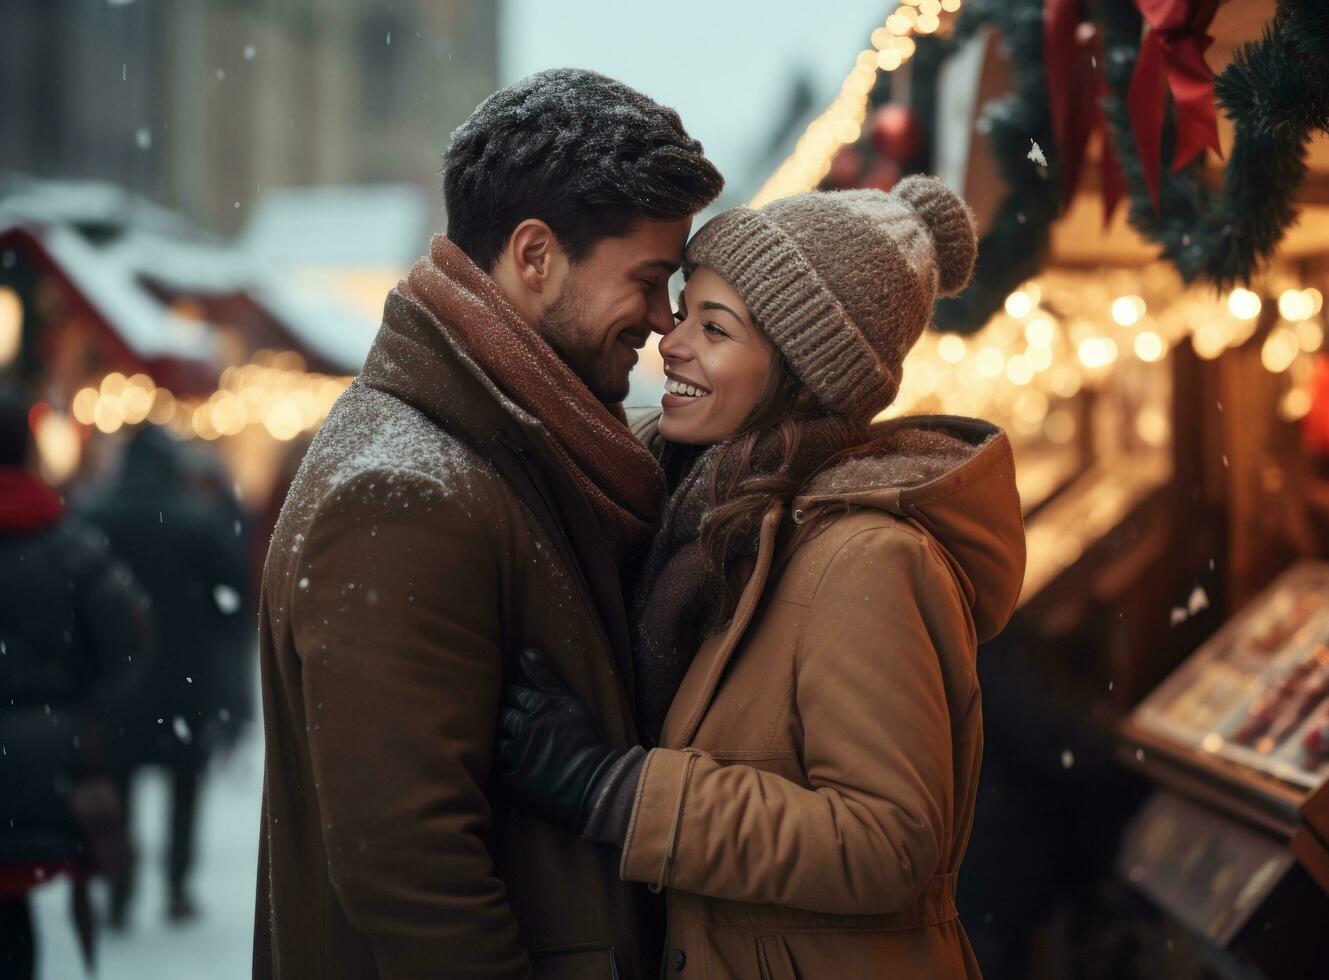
(665, 265)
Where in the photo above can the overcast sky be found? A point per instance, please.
(726, 65)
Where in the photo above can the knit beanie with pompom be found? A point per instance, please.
(843, 282)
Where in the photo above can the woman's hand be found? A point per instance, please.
(549, 753)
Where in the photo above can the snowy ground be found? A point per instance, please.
(216, 946)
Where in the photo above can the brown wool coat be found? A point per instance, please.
(407, 568)
(812, 799)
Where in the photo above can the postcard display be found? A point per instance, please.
(1237, 740)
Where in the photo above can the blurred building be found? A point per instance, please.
(201, 105)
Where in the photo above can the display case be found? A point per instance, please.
(1237, 740)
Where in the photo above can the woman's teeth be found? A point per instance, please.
(686, 390)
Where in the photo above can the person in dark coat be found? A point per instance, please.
(73, 634)
(183, 549)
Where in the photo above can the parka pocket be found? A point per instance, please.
(773, 959)
(584, 961)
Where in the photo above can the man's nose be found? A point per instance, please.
(659, 311)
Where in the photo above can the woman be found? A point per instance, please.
(810, 611)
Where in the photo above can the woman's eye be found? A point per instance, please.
(714, 330)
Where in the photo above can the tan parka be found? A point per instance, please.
(812, 799)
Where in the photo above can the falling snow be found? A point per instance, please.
(227, 599)
(143, 138)
(251, 52)
(181, 729)
(1036, 154)
(1179, 616)
(1067, 758)
(1198, 600)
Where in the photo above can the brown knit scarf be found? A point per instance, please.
(674, 604)
(620, 479)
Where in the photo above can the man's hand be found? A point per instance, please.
(549, 754)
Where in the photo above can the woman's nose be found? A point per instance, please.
(674, 345)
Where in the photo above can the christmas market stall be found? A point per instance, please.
(1151, 184)
(120, 314)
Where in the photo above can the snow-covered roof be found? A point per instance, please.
(147, 327)
(145, 243)
(371, 225)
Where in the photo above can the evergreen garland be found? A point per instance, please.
(1276, 92)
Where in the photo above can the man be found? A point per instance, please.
(74, 636)
(475, 491)
(180, 544)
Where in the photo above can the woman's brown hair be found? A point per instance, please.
(754, 470)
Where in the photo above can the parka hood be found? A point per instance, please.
(955, 477)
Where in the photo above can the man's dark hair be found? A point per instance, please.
(15, 437)
(587, 155)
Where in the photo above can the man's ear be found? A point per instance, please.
(534, 253)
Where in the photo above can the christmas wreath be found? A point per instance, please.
(1276, 93)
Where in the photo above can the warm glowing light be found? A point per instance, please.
(1040, 331)
(1128, 310)
(888, 59)
(58, 446)
(113, 385)
(1315, 299)
(1294, 305)
(950, 6)
(11, 325)
(951, 348)
(1152, 426)
(283, 420)
(927, 23)
(989, 362)
(163, 407)
(1294, 405)
(108, 416)
(1149, 346)
(84, 406)
(1097, 352)
(1280, 350)
(1310, 335)
(1244, 304)
(930, 7)
(1019, 370)
(1018, 304)
(1209, 340)
(881, 37)
(1040, 358)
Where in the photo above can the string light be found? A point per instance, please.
(841, 123)
(274, 392)
(1244, 304)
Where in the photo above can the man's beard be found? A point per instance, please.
(564, 326)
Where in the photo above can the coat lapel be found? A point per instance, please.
(703, 677)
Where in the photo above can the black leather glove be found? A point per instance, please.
(549, 753)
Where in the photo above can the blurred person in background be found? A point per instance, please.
(182, 547)
(74, 640)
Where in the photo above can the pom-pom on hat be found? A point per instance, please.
(843, 282)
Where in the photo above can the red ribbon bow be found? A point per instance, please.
(1075, 84)
(1172, 57)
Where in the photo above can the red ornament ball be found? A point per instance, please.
(896, 133)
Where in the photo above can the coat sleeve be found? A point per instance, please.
(873, 827)
(396, 619)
